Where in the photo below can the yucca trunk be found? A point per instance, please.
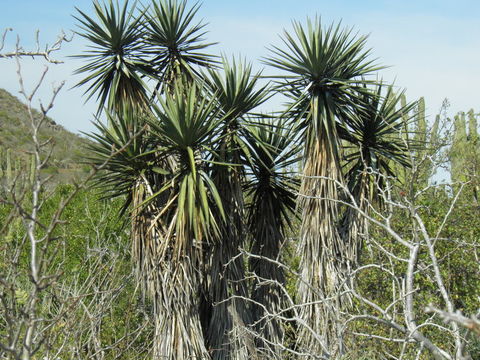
(174, 288)
(178, 330)
(227, 338)
(226, 329)
(267, 292)
(354, 224)
(322, 250)
(145, 237)
(173, 285)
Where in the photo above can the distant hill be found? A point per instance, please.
(15, 138)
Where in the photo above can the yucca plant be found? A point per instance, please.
(129, 47)
(175, 211)
(125, 151)
(271, 190)
(156, 221)
(237, 92)
(325, 69)
(175, 43)
(373, 146)
(184, 127)
(115, 66)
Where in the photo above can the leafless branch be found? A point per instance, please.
(44, 52)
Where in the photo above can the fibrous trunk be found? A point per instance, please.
(322, 251)
(173, 285)
(178, 330)
(354, 224)
(227, 335)
(267, 292)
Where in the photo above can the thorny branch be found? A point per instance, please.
(45, 52)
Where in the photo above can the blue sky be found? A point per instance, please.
(431, 46)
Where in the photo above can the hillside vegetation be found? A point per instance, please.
(16, 145)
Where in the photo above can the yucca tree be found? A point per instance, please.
(115, 64)
(237, 92)
(271, 191)
(325, 67)
(132, 173)
(175, 215)
(129, 47)
(185, 125)
(373, 147)
(175, 43)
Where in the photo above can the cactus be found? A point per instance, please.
(472, 128)
(12, 166)
(422, 145)
(423, 142)
(405, 117)
(9, 166)
(459, 149)
(421, 124)
(435, 135)
(465, 152)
